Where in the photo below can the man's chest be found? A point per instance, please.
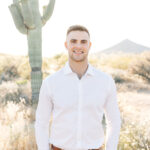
(86, 93)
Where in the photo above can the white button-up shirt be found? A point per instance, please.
(77, 107)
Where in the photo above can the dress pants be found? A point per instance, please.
(52, 147)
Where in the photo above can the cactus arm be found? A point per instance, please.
(17, 18)
(27, 14)
(48, 10)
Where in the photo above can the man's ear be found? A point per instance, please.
(90, 45)
(65, 44)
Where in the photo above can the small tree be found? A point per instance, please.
(28, 20)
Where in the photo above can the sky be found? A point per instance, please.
(108, 21)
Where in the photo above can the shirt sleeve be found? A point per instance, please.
(113, 120)
(42, 119)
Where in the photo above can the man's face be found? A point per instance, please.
(78, 45)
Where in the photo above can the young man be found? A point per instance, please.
(77, 96)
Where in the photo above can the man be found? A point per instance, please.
(77, 96)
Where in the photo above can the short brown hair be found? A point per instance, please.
(77, 28)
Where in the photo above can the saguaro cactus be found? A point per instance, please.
(28, 20)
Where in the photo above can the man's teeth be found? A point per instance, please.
(78, 52)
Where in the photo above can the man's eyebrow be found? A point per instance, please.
(83, 40)
(73, 40)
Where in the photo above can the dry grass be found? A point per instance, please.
(134, 106)
(17, 131)
(117, 61)
(17, 115)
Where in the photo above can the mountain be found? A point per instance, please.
(126, 46)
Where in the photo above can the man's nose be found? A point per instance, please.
(78, 45)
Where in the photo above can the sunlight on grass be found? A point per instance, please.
(17, 116)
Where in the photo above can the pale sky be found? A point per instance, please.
(109, 22)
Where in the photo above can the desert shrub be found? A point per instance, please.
(118, 79)
(141, 66)
(121, 76)
(9, 73)
(60, 60)
(53, 64)
(24, 68)
(17, 66)
(11, 91)
(7, 61)
(117, 61)
(95, 61)
(134, 135)
(46, 67)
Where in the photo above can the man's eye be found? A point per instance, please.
(84, 41)
(73, 41)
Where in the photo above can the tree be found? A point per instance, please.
(28, 20)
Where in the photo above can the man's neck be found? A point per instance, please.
(79, 67)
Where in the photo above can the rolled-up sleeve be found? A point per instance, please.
(113, 118)
(43, 114)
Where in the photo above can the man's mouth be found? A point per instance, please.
(78, 52)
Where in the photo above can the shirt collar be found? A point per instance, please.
(67, 69)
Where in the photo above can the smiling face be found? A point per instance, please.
(78, 45)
